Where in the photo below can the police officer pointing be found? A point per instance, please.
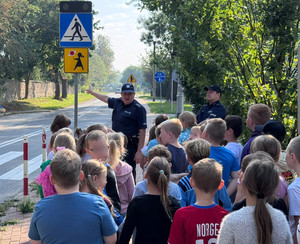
(128, 117)
(214, 108)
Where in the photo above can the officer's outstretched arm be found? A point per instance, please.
(101, 97)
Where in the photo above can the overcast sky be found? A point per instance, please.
(120, 25)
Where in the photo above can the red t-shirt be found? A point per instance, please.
(197, 224)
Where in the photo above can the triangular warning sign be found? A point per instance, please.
(75, 32)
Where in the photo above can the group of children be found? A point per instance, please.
(195, 190)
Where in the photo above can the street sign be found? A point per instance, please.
(76, 29)
(131, 80)
(159, 76)
(76, 60)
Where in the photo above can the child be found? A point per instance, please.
(152, 213)
(258, 222)
(71, 216)
(240, 200)
(258, 114)
(271, 145)
(195, 132)
(214, 133)
(141, 187)
(80, 148)
(97, 147)
(197, 150)
(170, 131)
(62, 141)
(122, 170)
(60, 121)
(188, 120)
(293, 161)
(94, 182)
(234, 128)
(199, 223)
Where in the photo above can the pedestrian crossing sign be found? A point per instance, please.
(76, 60)
(76, 29)
(131, 80)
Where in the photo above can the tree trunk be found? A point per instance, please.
(168, 93)
(64, 91)
(27, 78)
(57, 88)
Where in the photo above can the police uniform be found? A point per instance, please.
(210, 111)
(128, 119)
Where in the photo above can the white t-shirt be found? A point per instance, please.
(294, 203)
(236, 148)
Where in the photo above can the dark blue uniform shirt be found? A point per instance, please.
(128, 119)
(214, 110)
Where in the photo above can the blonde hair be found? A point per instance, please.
(189, 118)
(95, 135)
(207, 175)
(259, 113)
(197, 128)
(64, 139)
(261, 179)
(294, 147)
(173, 125)
(267, 143)
(158, 173)
(66, 130)
(215, 128)
(159, 151)
(197, 149)
(65, 168)
(116, 147)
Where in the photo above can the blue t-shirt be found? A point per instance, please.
(226, 159)
(128, 119)
(73, 218)
(179, 161)
(141, 189)
(151, 144)
(185, 134)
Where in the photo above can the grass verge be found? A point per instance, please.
(7, 204)
(165, 107)
(44, 103)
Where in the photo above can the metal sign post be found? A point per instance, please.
(160, 77)
(76, 102)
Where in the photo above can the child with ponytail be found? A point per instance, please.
(151, 214)
(122, 170)
(94, 182)
(258, 222)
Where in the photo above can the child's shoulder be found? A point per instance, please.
(295, 185)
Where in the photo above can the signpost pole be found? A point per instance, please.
(298, 86)
(160, 96)
(76, 102)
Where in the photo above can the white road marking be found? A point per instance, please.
(17, 173)
(9, 156)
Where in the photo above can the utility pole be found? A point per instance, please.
(154, 70)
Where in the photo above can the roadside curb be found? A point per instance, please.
(24, 112)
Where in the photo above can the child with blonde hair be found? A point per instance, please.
(123, 171)
(199, 223)
(97, 147)
(151, 214)
(62, 141)
(169, 133)
(94, 182)
(195, 132)
(188, 120)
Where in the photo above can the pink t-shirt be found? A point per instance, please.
(281, 189)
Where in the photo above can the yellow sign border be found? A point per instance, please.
(67, 50)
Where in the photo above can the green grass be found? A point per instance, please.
(45, 103)
(27, 207)
(9, 222)
(165, 107)
(7, 204)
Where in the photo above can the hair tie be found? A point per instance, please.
(260, 196)
(60, 148)
(161, 171)
(89, 176)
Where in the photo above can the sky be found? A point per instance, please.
(120, 25)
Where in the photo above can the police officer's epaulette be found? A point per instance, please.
(137, 104)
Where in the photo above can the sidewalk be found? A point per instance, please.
(18, 233)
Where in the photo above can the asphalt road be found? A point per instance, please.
(14, 127)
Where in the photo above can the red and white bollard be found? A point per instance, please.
(25, 168)
(44, 152)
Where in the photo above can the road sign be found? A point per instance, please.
(76, 30)
(76, 60)
(159, 76)
(131, 80)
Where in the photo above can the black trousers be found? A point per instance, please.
(131, 151)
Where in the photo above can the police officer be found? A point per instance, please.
(128, 117)
(214, 108)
